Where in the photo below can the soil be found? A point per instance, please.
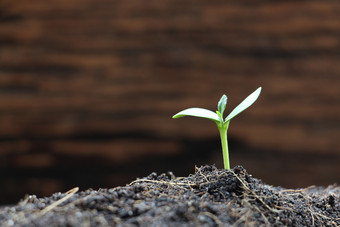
(209, 197)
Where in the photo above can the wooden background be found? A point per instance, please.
(88, 88)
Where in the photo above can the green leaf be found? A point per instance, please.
(244, 104)
(219, 115)
(222, 104)
(198, 112)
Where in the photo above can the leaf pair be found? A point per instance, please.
(218, 116)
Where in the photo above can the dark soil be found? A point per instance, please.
(209, 197)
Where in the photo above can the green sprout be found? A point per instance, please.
(218, 118)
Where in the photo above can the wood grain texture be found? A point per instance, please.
(87, 79)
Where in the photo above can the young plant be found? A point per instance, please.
(217, 117)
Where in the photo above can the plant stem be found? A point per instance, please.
(223, 134)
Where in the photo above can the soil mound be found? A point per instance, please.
(209, 197)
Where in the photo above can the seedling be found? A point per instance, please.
(218, 118)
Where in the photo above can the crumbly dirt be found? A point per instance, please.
(209, 197)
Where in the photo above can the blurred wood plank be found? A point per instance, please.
(67, 66)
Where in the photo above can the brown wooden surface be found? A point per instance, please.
(84, 83)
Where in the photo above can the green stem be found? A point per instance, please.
(223, 134)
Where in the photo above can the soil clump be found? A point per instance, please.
(208, 197)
